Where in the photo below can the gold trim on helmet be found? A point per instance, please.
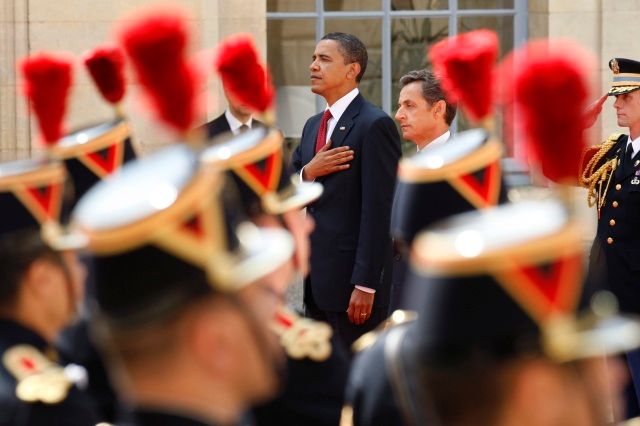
(434, 254)
(161, 228)
(494, 184)
(119, 132)
(43, 173)
(219, 156)
(488, 153)
(49, 174)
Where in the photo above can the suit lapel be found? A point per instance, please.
(346, 122)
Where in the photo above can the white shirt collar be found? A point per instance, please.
(337, 109)
(443, 138)
(234, 123)
(340, 106)
(635, 143)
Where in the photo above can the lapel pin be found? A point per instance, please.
(344, 128)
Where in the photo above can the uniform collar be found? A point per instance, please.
(14, 333)
(635, 143)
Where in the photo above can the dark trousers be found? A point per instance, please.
(344, 330)
(633, 397)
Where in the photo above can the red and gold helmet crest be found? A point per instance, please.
(547, 289)
(40, 191)
(262, 176)
(482, 187)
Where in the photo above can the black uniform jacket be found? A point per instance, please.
(74, 410)
(615, 254)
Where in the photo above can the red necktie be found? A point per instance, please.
(322, 132)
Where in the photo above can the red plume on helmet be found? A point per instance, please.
(464, 65)
(547, 92)
(156, 43)
(243, 76)
(106, 66)
(47, 80)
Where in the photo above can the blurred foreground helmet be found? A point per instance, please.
(461, 175)
(257, 165)
(161, 235)
(509, 280)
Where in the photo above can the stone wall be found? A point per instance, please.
(78, 25)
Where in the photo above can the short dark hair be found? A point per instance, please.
(18, 250)
(431, 90)
(352, 49)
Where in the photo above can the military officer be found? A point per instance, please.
(611, 172)
(312, 392)
(184, 297)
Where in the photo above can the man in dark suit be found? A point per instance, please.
(352, 148)
(236, 118)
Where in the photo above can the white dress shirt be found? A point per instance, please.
(337, 109)
(235, 124)
(635, 143)
(440, 140)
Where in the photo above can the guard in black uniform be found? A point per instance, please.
(312, 392)
(40, 289)
(469, 178)
(611, 172)
(505, 331)
(185, 298)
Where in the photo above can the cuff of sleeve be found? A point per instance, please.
(366, 289)
(302, 179)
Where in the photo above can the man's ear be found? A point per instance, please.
(354, 70)
(440, 107)
(210, 338)
(37, 277)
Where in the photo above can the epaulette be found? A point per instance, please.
(303, 337)
(600, 150)
(346, 416)
(38, 379)
(596, 171)
(397, 318)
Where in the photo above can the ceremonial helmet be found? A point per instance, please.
(162, 233)
(461, 175)
(509, 280)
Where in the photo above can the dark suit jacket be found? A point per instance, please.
(351, 243)
(221, 125)
(615, 262)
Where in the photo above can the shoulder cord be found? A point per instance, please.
(592, 177)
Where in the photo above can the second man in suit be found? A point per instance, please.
(353, 149)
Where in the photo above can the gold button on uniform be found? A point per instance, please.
(612, 222)
(618, 187)
(609, 240)
(615, 204)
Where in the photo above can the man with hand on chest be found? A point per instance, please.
(352, 148)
